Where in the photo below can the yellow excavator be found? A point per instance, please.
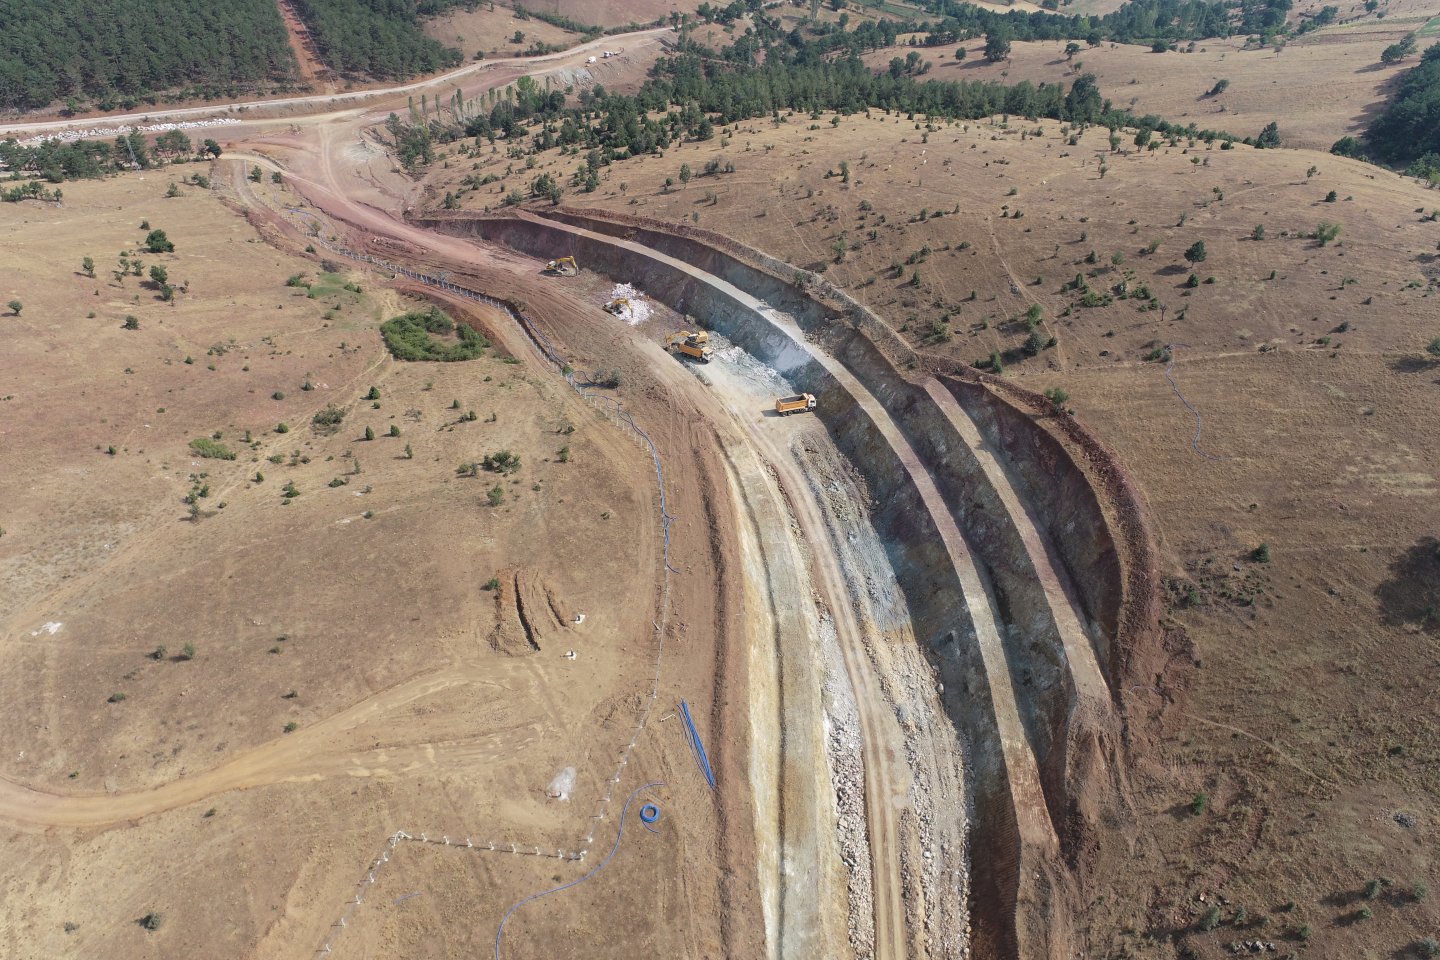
(565, 267)
(693, 345)
(619, 306)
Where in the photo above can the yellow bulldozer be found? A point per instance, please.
(693, 345)
(565, 267)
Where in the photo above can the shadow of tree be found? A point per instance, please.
(1414, 364)
(1411, 595)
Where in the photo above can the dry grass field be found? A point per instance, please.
(1322, 87)
(1308, 730)
(219, 716)
(492, 32)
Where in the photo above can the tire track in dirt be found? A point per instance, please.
(324, 749)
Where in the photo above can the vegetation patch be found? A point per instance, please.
(211, 449)
(408, 337)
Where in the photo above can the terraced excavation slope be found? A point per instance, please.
(993, 582)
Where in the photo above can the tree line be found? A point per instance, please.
(1408, 131)
(376, 38)
(688, 94)
(118, 51)
(1136, 21)
(58, 161)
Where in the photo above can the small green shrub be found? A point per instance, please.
(328, 421)
(211, 450)
(1261, 554)
(1199, 803)
(1211, 919)
(291, 727)
(502, 462)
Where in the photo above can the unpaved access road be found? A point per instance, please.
(331, 747)
(503, 70)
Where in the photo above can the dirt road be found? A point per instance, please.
(503, 70)
(331, 747)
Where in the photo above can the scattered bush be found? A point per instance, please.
(157, 242)
(496, 496)
(291, 727)
(1199, 803)
(151, 920)
(408, 337)
(1261, 554)
(328, 421)
(1211, 919)
(211, 450)
(502, 462)
(1326, 231)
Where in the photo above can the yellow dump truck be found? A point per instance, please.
(796, 404)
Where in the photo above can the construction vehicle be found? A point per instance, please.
(565, 267)
(619, 306)
(796, 404)
(693, 345)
